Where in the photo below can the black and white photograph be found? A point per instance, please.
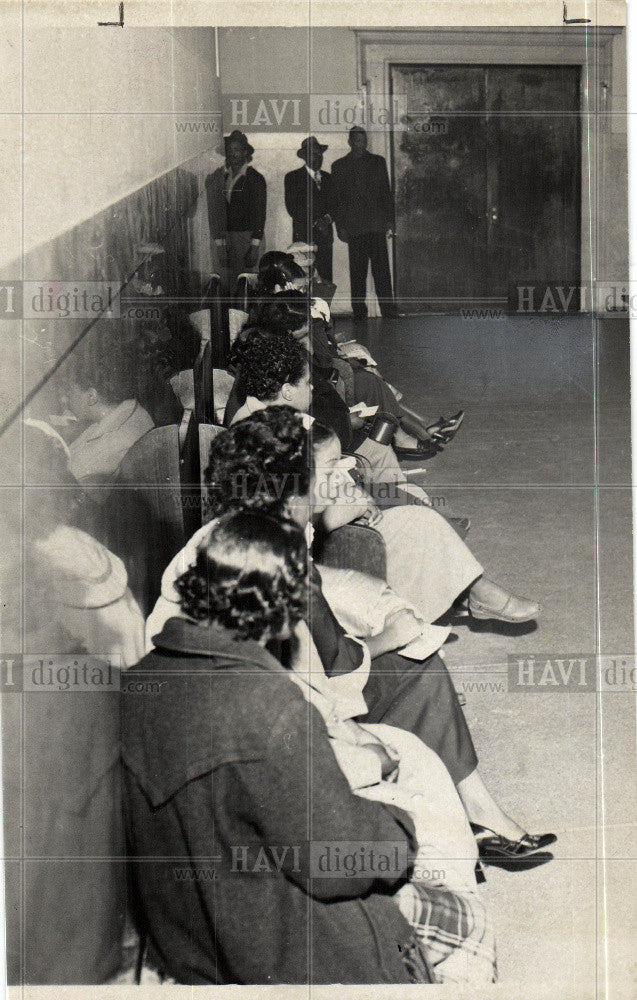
(317, 655)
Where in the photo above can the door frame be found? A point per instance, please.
(591, 50)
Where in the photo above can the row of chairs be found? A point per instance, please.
(158, 501)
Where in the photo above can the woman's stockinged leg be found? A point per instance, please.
(430, 566)
(483, 810)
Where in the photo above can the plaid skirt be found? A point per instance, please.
(452, 931)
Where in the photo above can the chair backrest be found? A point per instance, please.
(207, 434)
(223, 383)
(246, 284)
(204, 386)
(219, 331)
(354, 547)
(148, 511)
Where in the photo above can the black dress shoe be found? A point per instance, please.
(513, 855)
(446, 428)
(424, 449)
(460, 525)
(522, 864)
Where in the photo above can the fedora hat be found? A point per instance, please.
(305, 146)
(239, 137)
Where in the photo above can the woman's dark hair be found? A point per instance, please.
(277, 273)
(275, 258)
(266, 359)
(267, 315)
(259, 463)
(106, 360)
(298, 306)
(284, 311)
(250, 576)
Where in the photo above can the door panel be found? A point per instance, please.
(440, 184)
(533, 130)
(487, 182)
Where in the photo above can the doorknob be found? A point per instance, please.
(493, 214)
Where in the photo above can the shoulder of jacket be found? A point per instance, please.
(295, 715)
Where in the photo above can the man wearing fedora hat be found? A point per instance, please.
(308, 194)
(237, 197)
(364, 216)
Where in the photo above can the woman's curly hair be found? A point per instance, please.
(259, 463)
(266, 359)
(277, 272)
(250, 576)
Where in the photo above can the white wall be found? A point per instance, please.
(288, 61)
(101, 109)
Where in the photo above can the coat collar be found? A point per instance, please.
(111, 422)
(180, 635)
(200, 716)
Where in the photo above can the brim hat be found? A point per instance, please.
(239, 137)
(87, 575)
(305, 146)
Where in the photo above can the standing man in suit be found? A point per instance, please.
(237, 197)
(308, 193)
(364, 216)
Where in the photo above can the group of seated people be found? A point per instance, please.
(301, 796)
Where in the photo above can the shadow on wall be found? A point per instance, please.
(104, 249)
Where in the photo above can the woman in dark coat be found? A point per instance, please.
(236, 807)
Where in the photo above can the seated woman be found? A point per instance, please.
(327, 404)
(271, 463)
(413, 438)
(76, 619)
(99, 389)
(273, 367)
(390, 765)
(248, 775)
(427, 563)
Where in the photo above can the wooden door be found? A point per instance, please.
(487, 183)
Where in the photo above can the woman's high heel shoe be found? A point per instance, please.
(446, 428)
(513, 855)
(423, 450)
